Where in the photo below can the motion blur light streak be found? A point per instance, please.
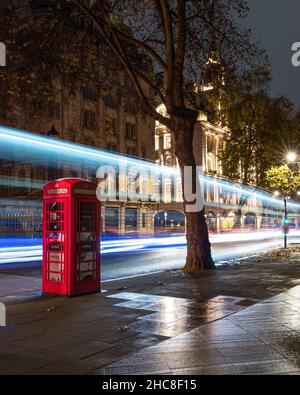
(17, 145)
(46, 148)
(49, 147)
(16, 253)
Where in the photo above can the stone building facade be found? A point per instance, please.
(100, 110)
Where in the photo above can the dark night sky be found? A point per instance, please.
(276, 24)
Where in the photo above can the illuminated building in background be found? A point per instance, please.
(210, 130)
(209, 136)
(208, 140)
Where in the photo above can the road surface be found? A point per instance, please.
(137, 256)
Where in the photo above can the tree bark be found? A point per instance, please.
(198, 245)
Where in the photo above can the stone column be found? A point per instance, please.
(122, 220)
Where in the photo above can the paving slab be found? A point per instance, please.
(227, 346)
(229, 321)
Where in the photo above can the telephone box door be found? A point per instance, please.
(87, 277)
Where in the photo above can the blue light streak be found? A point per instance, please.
(22, 250)
(15, 143)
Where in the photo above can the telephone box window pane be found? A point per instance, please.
(86, 236)
(57, 226)
(85, 267)
(87, 227)
(86, 256)
(56, 257)
(55, 206)
(87, 207)
(86, 276)
(55, 247)
(87, 246)
(56, 267)
(55, 277)
(55, 237)
(86, 217)
(55, 216)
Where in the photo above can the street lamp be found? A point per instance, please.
(291, 157)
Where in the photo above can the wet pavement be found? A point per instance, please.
(169, 316)
(262, 339)
(169, 322)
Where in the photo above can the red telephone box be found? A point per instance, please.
(71, 237)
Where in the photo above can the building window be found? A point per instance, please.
(167, 141)
(111, 147)
(89, 93)
(130, 108)
(40, 174)
(111, 102)
(128, 83)
(112, 215)
(179, 198)
(211, 162)
(131, 219)
(156, 142)
(73, 173)
(131, 151)
(210, 143)
(114, 126)
(130, 132)
(21, 180)
(89, 119)
(7, 172)
(168, 160)
(167, 190)
(143, 220)
(54, 110)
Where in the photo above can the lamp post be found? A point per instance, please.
(285, 226)
(286, 222)
(291, 158)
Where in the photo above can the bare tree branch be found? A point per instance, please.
(143, 45)
(167, 24)
(180, 53)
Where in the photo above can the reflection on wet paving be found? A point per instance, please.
(170, 316)
(261, 339)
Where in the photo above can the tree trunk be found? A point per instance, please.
(198, 246)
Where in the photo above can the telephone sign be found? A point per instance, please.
(71, 237)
